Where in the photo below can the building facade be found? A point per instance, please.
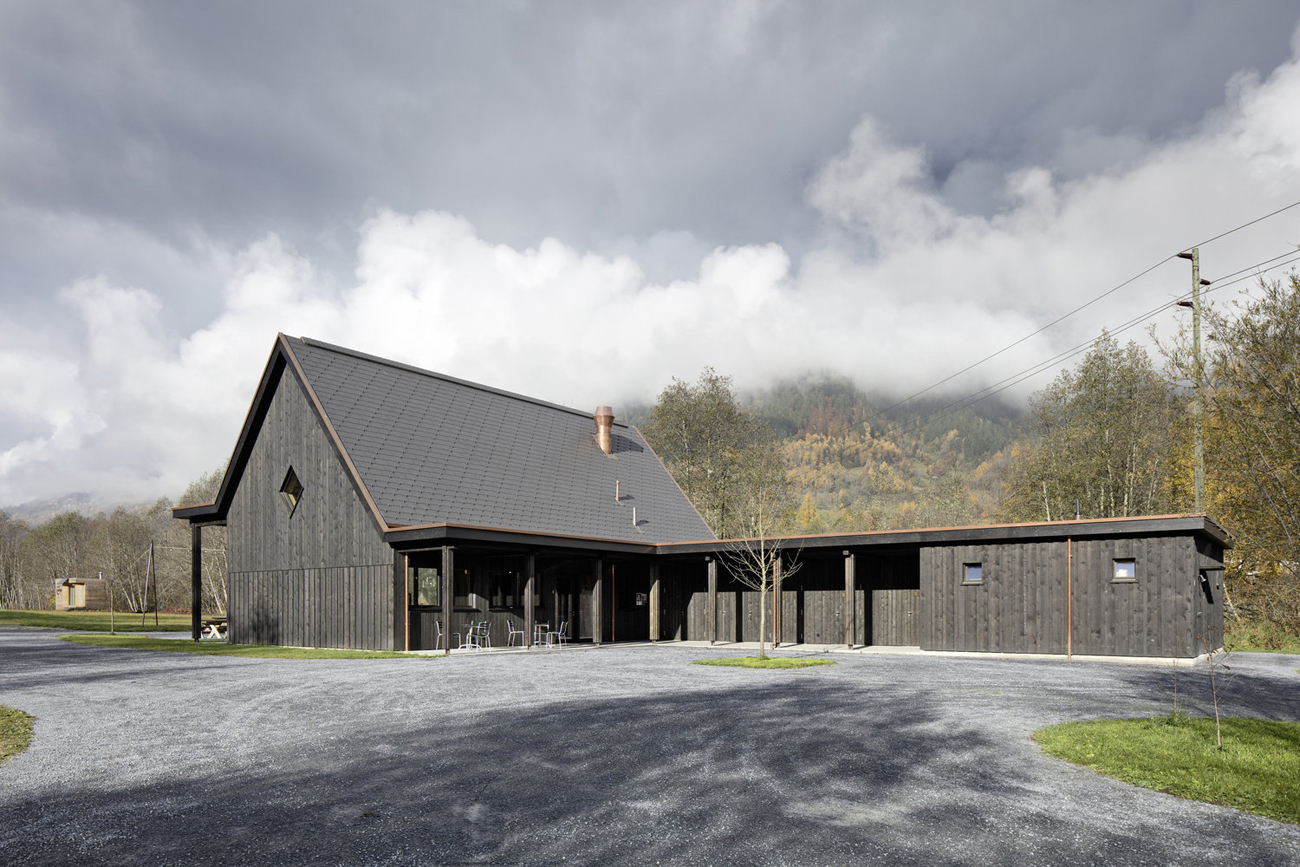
(373, 505)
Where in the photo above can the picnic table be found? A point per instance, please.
(213, 627)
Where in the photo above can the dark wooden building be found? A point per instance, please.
(374, 505)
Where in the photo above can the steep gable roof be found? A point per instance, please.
(428, 449)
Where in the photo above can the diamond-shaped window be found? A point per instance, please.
(291, 490)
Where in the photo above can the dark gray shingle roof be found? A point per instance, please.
(433, 449)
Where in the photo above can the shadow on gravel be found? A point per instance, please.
(797, 772)
(32, 663)
(1267, 689)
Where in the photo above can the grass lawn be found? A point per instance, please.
(96, 621)
(1258, 769)
(765, 662)
(220, 648)
(1258, 637)
(15, 732)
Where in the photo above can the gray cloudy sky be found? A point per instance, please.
(581, 200)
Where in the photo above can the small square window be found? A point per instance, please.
(972, 573)
(1125, 569)
(291, 490)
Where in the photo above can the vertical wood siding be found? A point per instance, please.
(1019, 607)
(321, 577)
(1023, 605)
(812, 603)
(1208, 608)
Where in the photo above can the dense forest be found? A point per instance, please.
(1111, 437)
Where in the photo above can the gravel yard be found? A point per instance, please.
(620, 755)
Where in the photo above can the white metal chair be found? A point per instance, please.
(560, 636)
(475, 636)
(512, 634)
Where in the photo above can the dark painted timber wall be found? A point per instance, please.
(1059, 596)
(812, 603)
(321, 576)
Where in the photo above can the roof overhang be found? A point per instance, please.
(450, 534)
(1158, 525)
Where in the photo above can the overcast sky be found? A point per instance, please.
(579, 201)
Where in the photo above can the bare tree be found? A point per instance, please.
(762, 510)
(56, 549)
(12, 589)
(118, 550)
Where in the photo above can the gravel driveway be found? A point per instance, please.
(612, 756)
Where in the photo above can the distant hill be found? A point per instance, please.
(36, 512)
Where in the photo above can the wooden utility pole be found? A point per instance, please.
(1198, 437)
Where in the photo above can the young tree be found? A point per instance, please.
(762, 504)
(729, 464)
(1104, 437)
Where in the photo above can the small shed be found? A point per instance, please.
(80, 594)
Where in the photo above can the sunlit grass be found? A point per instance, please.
(96, 621)
(221, 648)
(764, 662)
(1258, 768)
(15, 732)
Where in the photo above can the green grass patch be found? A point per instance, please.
(96, 621)
(1258, 636)
(1257, 770)
(15, 732)
(764, 662)
(220, 648)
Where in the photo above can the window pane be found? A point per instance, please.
(1126, 569)
(974, 573)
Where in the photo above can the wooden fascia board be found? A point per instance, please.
(339, 449)
(215, 513)
(401, 537)
(1163, 525)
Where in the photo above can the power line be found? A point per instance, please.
(1084, 306)
(1058, 319)
(1243, 226)
(1030, 372)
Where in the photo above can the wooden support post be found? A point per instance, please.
(850, 598)
(655, 625)
(555, 606)
(777, 575)
(530, 603)
(196, 581)
(401, 603)
(597, 605)
(448, 599)
(711, 608)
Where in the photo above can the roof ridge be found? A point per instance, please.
(388, 362)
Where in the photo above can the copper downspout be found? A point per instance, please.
(406, 579)
(1069, 597)
(604, 427)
